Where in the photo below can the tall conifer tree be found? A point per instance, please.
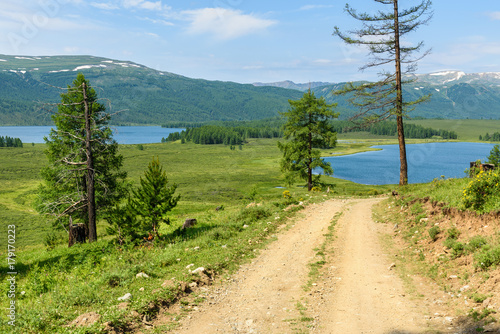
(383, 34)
(154, 198)
(307, 128)
(83, 177)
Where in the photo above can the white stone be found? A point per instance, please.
(125, 297)
(198, 270)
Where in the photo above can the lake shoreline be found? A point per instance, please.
(426, 161)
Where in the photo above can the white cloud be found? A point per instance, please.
(309, 7)
(494, 15)
(322, 62)
(142, 4)
(130, 4)
(466, 56)
(155, 21)
(224, 23)
(104, 5)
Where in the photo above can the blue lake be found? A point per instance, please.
(425, 162)
(122, 134)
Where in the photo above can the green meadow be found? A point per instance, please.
(467, 129)
(55, 283)
(207, 176)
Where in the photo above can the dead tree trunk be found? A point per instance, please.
(403, 170)
(90, 173)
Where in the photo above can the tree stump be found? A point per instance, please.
(190, 222)
(77, 233)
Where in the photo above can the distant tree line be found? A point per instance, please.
(10, 142)
(273, 122)
(218, 134)
(390, 129)
(488, 137)
(236, 132)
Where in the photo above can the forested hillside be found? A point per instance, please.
(449, 101)
(141, 95)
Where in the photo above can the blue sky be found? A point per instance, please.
(242, 40)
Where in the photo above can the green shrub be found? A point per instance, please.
(475, 243)
(480, 316)
(82, 294)
(478, 297)
(252, 214)
(116, 278)
(434, 232)
(487, 257)
(457, 248)
(453, 233)
(41, 280)
(483, 192)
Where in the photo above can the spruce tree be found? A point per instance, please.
(494, 157)
(83, 177)
(154, 198)
(307, 129)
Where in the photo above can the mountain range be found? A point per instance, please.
(454, 94)
(142, 95)
(139, 95)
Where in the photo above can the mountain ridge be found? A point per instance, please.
(145, 95)
(448, 76)
(148, 96)
(454, 94)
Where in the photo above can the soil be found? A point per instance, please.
(362, 286)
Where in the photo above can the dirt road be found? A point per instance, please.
(357, 293)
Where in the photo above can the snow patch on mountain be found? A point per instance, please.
(28, 58)
(85, 67)
(459, 74)
(122, 64)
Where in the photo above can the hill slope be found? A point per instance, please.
(143, 95)
(455, 95)
(147, 96)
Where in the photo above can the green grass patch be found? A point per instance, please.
(467, 129)
(320, 259)
(55, 284)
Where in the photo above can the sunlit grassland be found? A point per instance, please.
(19, 179)
(467, 129)
(54, 286)
(207, 176)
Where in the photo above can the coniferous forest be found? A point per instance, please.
(235, 133)
(10, 142)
